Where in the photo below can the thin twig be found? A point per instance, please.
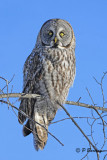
(8, 81)
(96, 119)
(105, 157)
(69, 118)
(102, 88)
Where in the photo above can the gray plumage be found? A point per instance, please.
(48, 71)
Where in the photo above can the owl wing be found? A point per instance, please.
(31, 71)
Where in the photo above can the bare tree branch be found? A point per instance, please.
(20, 95)
(24, 95)
(97, 152)
(86, 105)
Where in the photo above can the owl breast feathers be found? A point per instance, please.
(48, 71)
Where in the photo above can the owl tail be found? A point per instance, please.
(26, 129)
(39, 133)
(43, 113)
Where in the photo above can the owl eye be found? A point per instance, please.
(61, 34)
(50, 33)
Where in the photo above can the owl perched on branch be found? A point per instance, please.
(48, 71)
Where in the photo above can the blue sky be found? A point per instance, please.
(20, 22)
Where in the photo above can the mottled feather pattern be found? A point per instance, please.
(48, 71)
(59, 67)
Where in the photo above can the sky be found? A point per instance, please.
(20, 22)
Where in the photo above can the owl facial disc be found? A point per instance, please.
(56, 33)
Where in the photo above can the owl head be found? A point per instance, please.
(56, 33)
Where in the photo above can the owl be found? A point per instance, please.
(48, 71)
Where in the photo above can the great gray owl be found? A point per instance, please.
(48, 71)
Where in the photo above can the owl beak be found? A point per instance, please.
(55, 40)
